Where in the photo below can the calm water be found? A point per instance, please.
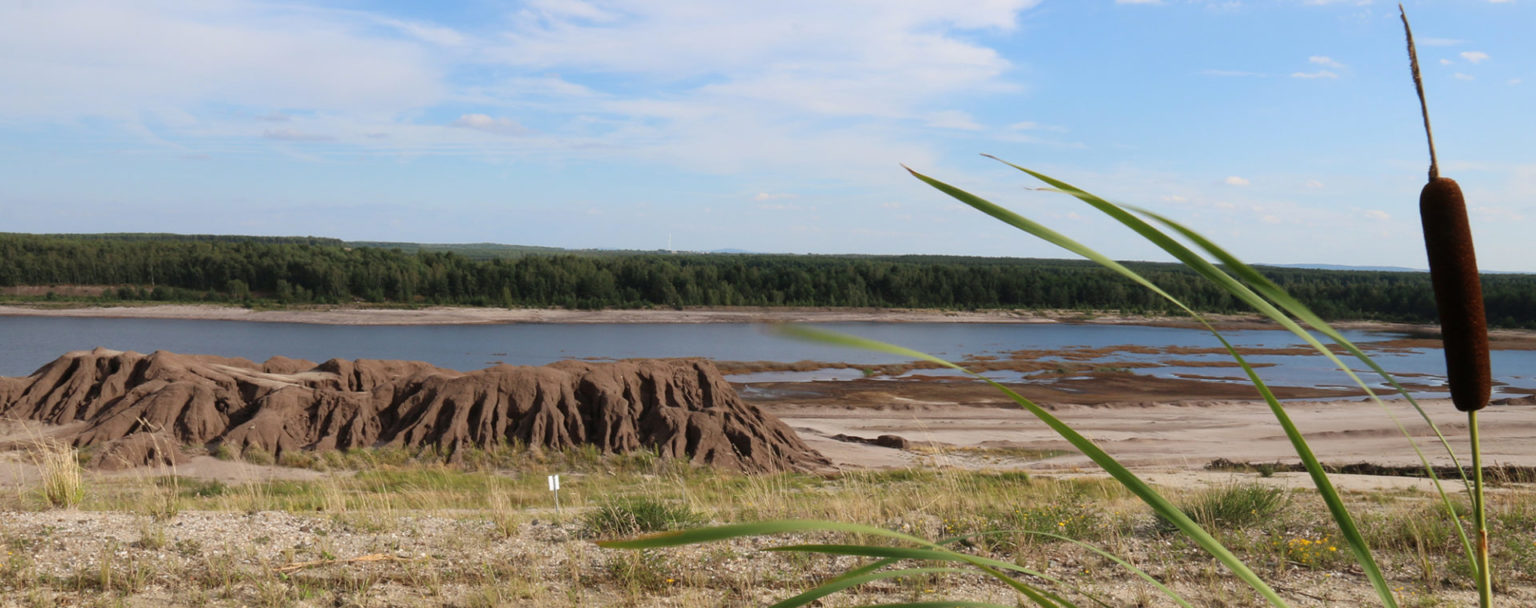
(27, 343)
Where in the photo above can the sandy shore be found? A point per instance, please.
(458, 315)
(451, 315)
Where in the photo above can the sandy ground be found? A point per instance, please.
(1170, 440)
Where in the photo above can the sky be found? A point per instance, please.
(1287, 130)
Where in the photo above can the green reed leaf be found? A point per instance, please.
(1347, 527)
(1162, 506)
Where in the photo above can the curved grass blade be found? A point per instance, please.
(1121, 562)
(1325, 488)
(845, 582)
(701, 535)
(1040, 597)
(1162, 506)
(937, 604)
(1279, 296)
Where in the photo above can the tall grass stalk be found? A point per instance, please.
(59, 465)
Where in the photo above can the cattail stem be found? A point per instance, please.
(1479, 507)
(1418, 86)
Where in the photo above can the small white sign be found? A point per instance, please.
(554, 483)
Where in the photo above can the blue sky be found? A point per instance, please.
(1286, 130)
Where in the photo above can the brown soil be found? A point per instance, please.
(138, 409)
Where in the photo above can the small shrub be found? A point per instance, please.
(1232, 507)
(637, 515)
(298, 459)
(256, 455)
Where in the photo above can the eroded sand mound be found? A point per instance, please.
(136, 408)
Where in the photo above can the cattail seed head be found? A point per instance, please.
(1458, 292)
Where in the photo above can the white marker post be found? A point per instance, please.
(554, 486)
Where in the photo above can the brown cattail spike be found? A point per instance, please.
(1458, 292)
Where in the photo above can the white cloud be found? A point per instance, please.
(1138, 1)
(1461, 76)
(1270, 219)
(489, 124)
(773, 196)
(1235, 181)
(953, 119)
(124, 59)
(1474, 56)
(1378, 215)
(1446, 62)
(1172, 198)
(699, 84)
(1325, 62)
(1314, 75)
(1313, 184)
(1513, 81)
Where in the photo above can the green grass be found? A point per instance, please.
(629, 516)
(1234, 506)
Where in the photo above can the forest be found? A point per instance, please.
(307, 270)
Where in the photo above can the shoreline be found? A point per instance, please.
(1501, 339)
(464, 315)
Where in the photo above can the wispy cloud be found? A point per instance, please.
(1324, 74)
(1029, 125)
(1235, 181)
(953, 119)
(489, 124)
(1474, 56)
(773, 196)
(1325, 62)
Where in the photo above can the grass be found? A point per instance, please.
(629, 516)
(59, 466)
(1234, 506)
(465, 536)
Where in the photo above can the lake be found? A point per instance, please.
(27, 343)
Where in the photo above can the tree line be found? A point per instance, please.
(310, 270)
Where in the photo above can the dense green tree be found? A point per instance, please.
(300, 270)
